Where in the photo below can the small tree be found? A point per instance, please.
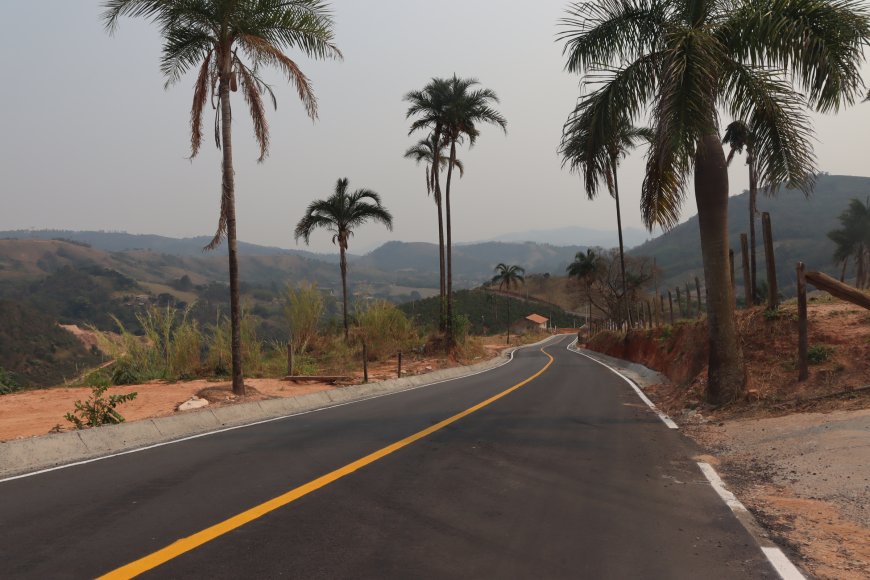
(98, 410)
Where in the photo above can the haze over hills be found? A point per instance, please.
(576, 235)
(800, 226)
(800, 229)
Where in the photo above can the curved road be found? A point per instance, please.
(568, 475)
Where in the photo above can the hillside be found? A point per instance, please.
(800, 228)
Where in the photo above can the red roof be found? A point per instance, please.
(537, 319)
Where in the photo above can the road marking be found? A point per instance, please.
(665, 419)
(189, 543)
(776, 557)
(261, 422)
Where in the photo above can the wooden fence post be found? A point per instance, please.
(671, 306)
(649, 317)
(803, 368)
(688, 301)
(698, 290)
(365, 363)
(733, 283)
(772, 289)
(747, 279)
(662, 311)
(399, 373)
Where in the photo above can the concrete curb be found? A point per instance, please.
(21, 456)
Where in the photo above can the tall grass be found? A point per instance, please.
(219, 359)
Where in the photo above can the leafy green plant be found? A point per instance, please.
(98, 410)
(771, 314)
(8, 384)
(819, 353)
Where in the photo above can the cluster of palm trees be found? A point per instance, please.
(852, 241)
(678, 63)
(450, 111)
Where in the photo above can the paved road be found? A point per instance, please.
(568, 476)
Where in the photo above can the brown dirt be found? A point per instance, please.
(796, 453)
(40, 411)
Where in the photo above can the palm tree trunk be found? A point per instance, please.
(441, 269)
(753, 209)
(450, 245)
(343, 265)
(228, 192)
(727, 373)
(615, 193)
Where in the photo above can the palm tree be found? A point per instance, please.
(228, 41)
(431, 151)
(428, 106)
(680, 61)
(584, 267)
(341, 213)
(508, 277)
(465, 108)
(579, 151)
(739, 137)
(853, 240)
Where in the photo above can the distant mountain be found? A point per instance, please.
(571, 236)
(473, 263)
(122, 242)
(800, 227)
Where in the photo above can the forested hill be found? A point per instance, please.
(800, 228)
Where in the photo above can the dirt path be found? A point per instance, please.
(806, 476)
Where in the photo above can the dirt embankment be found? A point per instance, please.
(796, 453)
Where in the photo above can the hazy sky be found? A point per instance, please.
(89, 139)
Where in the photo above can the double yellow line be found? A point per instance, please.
(198, 539)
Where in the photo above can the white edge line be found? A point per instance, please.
(776, 557)
(665, 419)
(263, 421)
(782, 565)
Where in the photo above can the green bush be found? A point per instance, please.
(385, 330)
(819, 353)
(8, 384)
(98, 410)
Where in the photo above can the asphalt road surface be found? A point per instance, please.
(569, 475)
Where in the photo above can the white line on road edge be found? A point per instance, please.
(261, 422)
(776, 557)
(665, 419)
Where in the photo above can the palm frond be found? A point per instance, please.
(251, 93)
(777, 122)
(820, 42)
(607, 32)
(261, 51)
(200, 95)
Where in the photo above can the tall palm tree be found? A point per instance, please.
(430, 151)
(507, 277)
(581, 153)
(465, 109)
(853, 240)
(227, 41)
(584, 267)
(739, 137)
(341, 213)
(680, 61)
(428, 106)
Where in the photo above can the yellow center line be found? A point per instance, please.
(189, 543)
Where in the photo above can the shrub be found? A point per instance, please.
(385, 329)
(8, 384)
(98, 410)
(303, 307)
(819, 353)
